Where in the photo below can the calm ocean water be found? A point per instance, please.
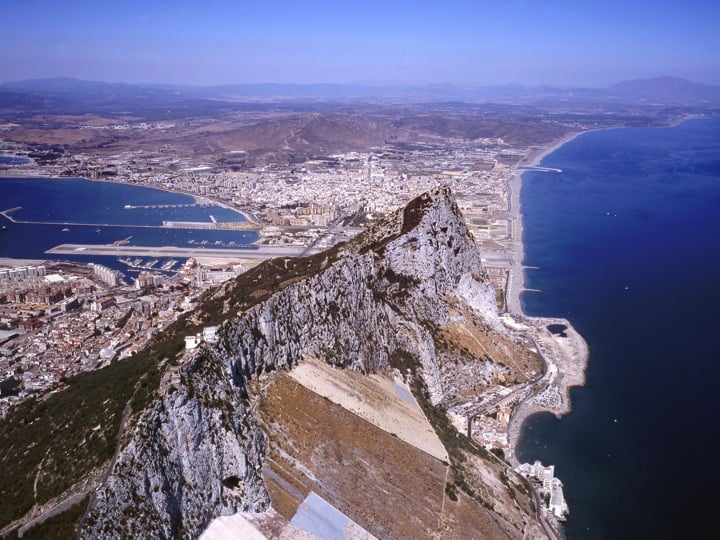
(628, 241)
(82, 201)
(12, 160)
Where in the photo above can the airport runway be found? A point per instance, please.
(263, 252)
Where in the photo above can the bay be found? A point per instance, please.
(99, 215)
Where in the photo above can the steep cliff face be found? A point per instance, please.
(380, 297)
(194, 455)
(410, 292)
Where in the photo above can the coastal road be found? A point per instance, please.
(551, 534)
(482, 409)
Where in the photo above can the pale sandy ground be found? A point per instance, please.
(385, 403)
(536, 155)
(569, 355)
(210, 261)
(247, 526)
(4, 261)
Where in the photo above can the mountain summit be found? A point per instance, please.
(325, 390)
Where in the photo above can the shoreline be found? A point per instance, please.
(516, 275)
(535, 155)
(564, 358)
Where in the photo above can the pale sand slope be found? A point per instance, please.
(381, 401)
(247, 526)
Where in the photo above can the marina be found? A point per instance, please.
(43, 213)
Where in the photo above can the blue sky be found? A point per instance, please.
(563, 42)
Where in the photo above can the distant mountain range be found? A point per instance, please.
(67, 93)
(660, 90)
(666, 90)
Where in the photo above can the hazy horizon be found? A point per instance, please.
(367, 83)
(218, 42)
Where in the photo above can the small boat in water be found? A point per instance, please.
(65, 229)
(3, 228)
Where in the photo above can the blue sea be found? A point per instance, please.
(98, 216)
(12, 160)
(627, 239)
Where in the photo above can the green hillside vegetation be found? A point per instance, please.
(48, 444)
(61, 438)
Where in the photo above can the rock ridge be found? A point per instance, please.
(392, 293)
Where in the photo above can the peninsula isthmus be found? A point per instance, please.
(255, 317)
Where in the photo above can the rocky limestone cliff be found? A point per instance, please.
(386, 298)
(376, 299)
(196, 453)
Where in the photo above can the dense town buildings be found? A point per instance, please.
(82, 317)
(58, 319)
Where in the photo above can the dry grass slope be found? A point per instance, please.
(387, 486)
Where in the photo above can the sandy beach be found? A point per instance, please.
(536, 155)
(567, 355)
(516, 278)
